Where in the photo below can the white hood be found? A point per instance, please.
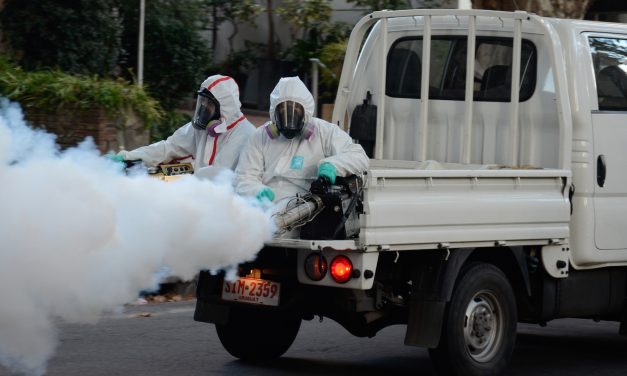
(189, 142)
(292, 89)
(226, 91)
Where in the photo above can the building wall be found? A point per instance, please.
(72, 127)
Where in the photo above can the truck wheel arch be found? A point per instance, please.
(426, 309)
(512, 261)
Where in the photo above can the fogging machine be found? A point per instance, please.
(326, 212)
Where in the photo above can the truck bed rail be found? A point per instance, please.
(427, 15)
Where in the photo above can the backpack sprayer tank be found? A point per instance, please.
(326, 212)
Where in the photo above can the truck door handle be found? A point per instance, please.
(601, 170)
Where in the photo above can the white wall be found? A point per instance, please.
(465, 4)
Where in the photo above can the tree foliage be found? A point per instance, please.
(332, 56)
(100, 38)
(176, 57)
(550, 8)
(77, 36)
(234, 12)
(374, 5)
(305, 17)
(311, 28)
(434, 4)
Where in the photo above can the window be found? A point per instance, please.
(447, 77)
(609, 56)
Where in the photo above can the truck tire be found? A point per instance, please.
(258, 335)
(479, 330)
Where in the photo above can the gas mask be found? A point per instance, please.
(289, 117)
(207, 112)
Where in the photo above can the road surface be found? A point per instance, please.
(162, 339)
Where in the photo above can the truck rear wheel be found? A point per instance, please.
(479, 330)
(258, 335)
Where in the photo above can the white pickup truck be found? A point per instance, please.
(491, 198)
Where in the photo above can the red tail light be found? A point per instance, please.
(341, 269)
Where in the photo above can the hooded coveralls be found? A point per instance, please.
(289, 166)
(220, 152)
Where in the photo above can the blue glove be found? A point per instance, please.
(114, 157)
(265, 193)
(328, 171)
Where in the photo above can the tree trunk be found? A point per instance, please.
(231, 37)
(270, 30)
(214, 28)
(549, 8)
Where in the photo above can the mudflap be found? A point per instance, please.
(430, 295)
(208, 306)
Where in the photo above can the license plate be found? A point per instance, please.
(252, 290)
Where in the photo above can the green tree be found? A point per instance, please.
(306, 19)
(311, 29)
(234, 12)
(76, 36)
(332, 56)
(549, 8)
(176, 57)
(434, 4)
(373, 5)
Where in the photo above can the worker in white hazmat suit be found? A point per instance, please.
(283, 157)
(214, 137)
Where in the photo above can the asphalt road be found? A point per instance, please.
(162, 339)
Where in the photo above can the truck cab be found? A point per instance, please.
(492, 197)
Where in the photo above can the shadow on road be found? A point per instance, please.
(588, 354)
(398, 366)
(539, 351)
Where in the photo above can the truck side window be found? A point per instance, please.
(609, 56)
(447, 78)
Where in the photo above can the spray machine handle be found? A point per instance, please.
(322, 185)
(132, 162)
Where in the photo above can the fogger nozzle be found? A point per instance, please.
(299, 210)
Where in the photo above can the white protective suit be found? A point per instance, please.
(187, 142)
(290, 166)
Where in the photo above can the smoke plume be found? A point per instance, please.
(79, 237)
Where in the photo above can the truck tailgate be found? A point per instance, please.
(416, 209)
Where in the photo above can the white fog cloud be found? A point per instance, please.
(78, 237)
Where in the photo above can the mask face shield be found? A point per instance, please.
(207, 109)
(290, 118)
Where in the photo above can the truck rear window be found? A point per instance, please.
(447, 78)
(609, 56)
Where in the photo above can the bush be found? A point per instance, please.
(49, 90)
(171, 121)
